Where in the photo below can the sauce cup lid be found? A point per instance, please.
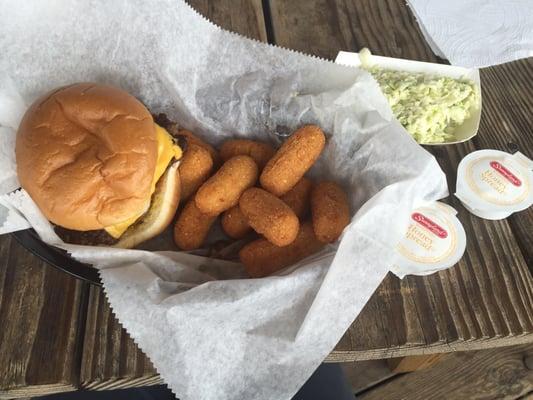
(435, 239)
(493, 184)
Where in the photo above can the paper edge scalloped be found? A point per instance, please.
(135, 341)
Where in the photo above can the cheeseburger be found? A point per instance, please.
(98, 166)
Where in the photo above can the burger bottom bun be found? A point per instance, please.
(163, 206)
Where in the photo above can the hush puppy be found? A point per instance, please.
(234, 223)
(192, 227)
(269, 216)
(298, 197)
(259, 151)
(192, 138)
(330, 211)
(262, 258)
(195, 167)
(223, 190)
(293, 159)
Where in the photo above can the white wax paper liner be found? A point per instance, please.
(210, 333)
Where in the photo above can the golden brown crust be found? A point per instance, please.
(192, 138)
(234, 223)
(192, 227)
(259, 151)
(195, 168)
(222, 191)
(298, 198)
(86, 154)
(262, 258)
(330, 211)
(293, 159)
(269, 216)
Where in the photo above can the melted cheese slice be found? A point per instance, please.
(166, 151)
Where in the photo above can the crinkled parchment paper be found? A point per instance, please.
(210, 333)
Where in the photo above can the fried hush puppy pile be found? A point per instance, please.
(292, 216)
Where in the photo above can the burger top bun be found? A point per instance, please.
(86, 154)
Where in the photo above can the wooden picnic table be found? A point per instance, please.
(58, 333)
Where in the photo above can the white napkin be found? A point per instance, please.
(477, 33)
(209, 333)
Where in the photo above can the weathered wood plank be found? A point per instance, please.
(110, 357)
(386, 27)
(488, 374)
(487, 298)
(507, 125)
(363, 375)
(40, 310)
(414, 363)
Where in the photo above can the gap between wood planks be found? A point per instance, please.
(267, 16)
